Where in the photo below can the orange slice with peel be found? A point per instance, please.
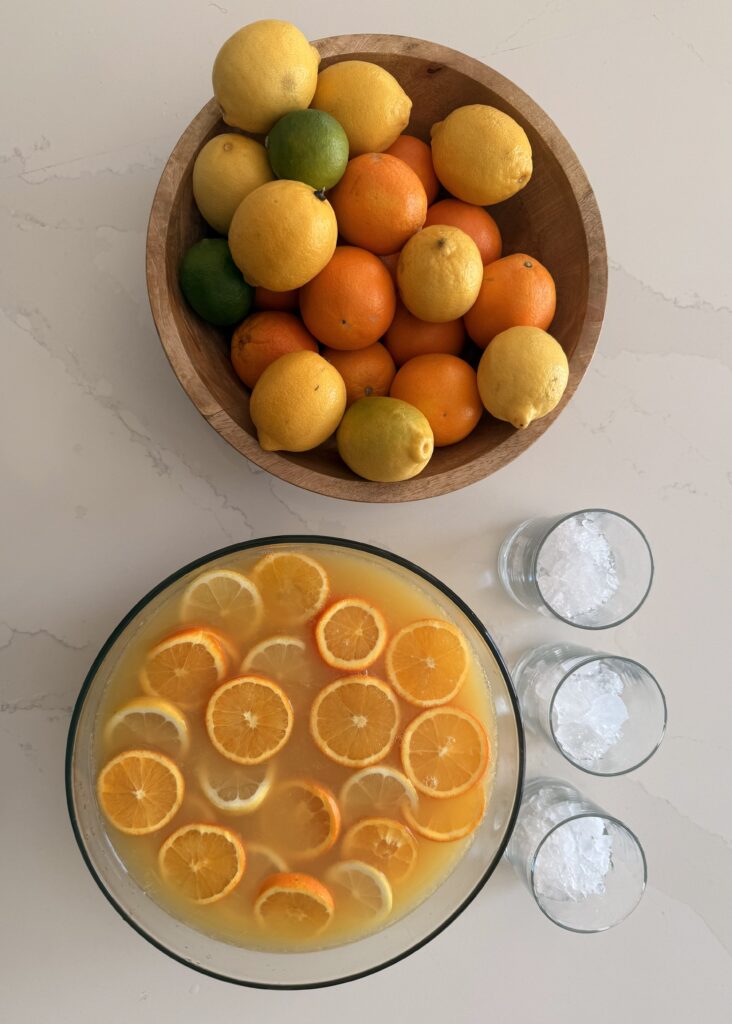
(149, 722)
(223, 598)
(302, 819)
(185, 667)
(444, 752)
(427, 662)
(294, 587)
(294, 905)
(444, 821)
(249, 719)
(350, 634)
(204, 862)
(140, 791)
(354, 720)
(384, 843)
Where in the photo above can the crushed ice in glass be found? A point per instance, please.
(576, 572)
(589, 712)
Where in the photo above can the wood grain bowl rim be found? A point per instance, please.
(356, 489)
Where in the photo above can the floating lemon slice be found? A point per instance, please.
(361, 886)
(293, 587)
(224, 598)
(149, 721)
(378, 788)
(234, 788)
(281, 658)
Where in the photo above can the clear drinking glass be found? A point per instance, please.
(606, 713)
(591, 568)
(585, 869)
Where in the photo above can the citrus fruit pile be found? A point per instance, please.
(361, 271)
(192, 761)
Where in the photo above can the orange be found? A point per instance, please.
(366, 371)
(285, 302)
(445, 390)
(473, 220)
(427, 662)
(379, 202)
(408, 336)
(294, 905)
(417, 155)
(354, 721)
(444, 752)
(351, 302)
(293, 587)
(517, 291)
(351, 634)
(185, 667)
(264, 337)
(301, 819)
(444, 821)
(204, 862)
(390, 262)
(249, 719)
(140, 791)
(384, 843)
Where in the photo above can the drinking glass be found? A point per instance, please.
(605, 713)
(591, 568)
(585, 869)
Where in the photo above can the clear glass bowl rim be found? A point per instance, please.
(243, 546)
(581, 512)
(608, 657)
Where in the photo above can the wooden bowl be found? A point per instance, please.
(554, 218)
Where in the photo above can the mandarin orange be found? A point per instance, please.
(287, 302)
(473, 220)
(408, 336)
(366, 371)
(445, 390)
(264, 337)
(517, 291)
(418, 156)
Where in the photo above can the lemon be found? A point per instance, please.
(282, 235)
(480, 154)
(262, 72)
(385, 439)
(439, 273)
(367, 101)
(297, 402)
(226, 170)
(522, 375)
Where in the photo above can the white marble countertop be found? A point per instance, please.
(111, 480)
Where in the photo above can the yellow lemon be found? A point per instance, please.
(522, 375)
(439, 273)
(480, 154)
(262, 72)
(367, 101)
(282, 235)
(297, 402)
(385, 439)
(226, 170)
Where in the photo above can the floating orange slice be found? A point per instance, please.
(140, 791)
(149, 722)
(384, 843)
(294, 906)
(444, 752)
(249, 719)
(351, 634)
(204, 862)
(185, 667)
(354, 721)
(427, 662)
(302, 819)
(293, 587)
(444, 821)
(224, 598)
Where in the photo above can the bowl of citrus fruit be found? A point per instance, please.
(294, 762)
(375, 264)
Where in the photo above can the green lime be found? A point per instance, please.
(309, 146)
(213, 285)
